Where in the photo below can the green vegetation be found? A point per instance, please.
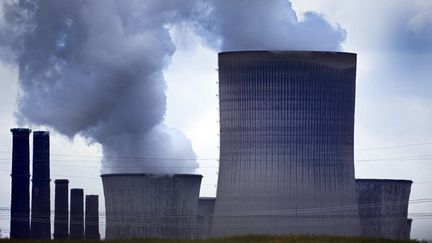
(241, 239)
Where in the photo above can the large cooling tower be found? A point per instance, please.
(151, 206)
(41, 201)
(383, 208)
(20, 198)
(286, 144)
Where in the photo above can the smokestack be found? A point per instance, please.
(61, 218)
(20, 198)
(40, 211)
(77, 214)
(92, 217)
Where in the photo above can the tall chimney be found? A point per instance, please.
(61, 213)
(40, 211)
(20, 198)
(77, 214)
(92, 217)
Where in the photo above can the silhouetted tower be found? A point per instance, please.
(20, 198)
(40, 211)
(77, 214)
(92, 217)
(61, 214)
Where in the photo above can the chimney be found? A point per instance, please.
(40, 210)
(61, 213)
(92, 217)
(20, 198)
(77, 214)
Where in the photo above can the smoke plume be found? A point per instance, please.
(94, 68)
(267, 25)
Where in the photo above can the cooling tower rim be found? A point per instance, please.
(285, 52)
(149, 175)
(77, 189)
(384, 180)
(20, 130)
(61, 181)
(327, 58)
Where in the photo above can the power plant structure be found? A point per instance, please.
(286, 144)
(383, 206)
(61, 211)
(286, 167)
(151, 206)
(205, 217)
(92, 217)
(20, 198)
(76, 214)
(41, 201)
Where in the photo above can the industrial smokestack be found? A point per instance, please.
(61, 213)
(383, 206)
(20, 198)
(77, 214)
(92, 217)
(286, 143)
(151, 206)
(41, 204)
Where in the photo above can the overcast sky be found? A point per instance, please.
(393, 42)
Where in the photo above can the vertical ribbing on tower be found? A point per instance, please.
(61, 214)
(20, 198)
(40, 211)
(77, 214)
(92, 217)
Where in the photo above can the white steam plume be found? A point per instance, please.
(94, 68)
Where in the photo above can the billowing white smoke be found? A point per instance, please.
(268, 25)
(95, 67)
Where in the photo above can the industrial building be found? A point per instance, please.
(286, 144)
(41, 200)
(20, 198)
(383, 206)
(205, 217)
(151, 206)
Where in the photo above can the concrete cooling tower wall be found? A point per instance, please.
(286, 144)
(383, 208)
(205, 217)
(151, 206)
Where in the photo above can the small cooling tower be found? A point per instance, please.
(41, 200)
(383, 206)
(205, 217)
(20, 198)
(151, 206)
(286, 144)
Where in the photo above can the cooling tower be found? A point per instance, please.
(205, 217)
(92, 217)
(77, 214)
(383, 208)
(20, 198)
(41, 204)
(286, 144)
(151, 206)
(408, 231)
(61, 211)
